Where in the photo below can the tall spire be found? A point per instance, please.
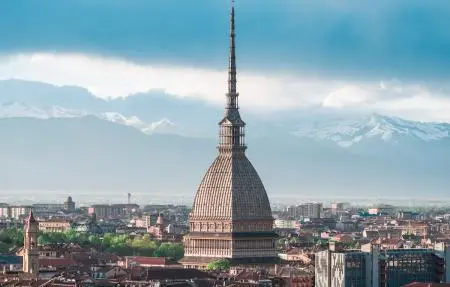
(31, 218)
(232, 134)
(232, 93)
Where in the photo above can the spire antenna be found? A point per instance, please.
(232, 81)
(232, 127)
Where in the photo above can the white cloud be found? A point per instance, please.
(106, 77)
(116, 78)
(349, 96)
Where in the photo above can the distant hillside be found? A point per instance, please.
(92, 154)
(66, 139)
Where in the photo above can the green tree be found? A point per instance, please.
(71, 235)
(44, 238)
(94, 240)
(171, 250)
(4, 247)
(219, 265)
(294, 240)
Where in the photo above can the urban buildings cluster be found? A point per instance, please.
(316, 245)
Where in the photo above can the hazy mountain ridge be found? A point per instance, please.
(22, 110)
(95, 155)
(91, 144)
(156, 111)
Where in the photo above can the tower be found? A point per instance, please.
(69, 204)
(231, 216)
(31, 250)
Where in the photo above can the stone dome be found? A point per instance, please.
(231, 190)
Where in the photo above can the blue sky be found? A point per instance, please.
(336, 43)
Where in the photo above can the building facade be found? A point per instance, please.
(113, 210)
(158, 230)
(306, 210)
(337, 208)
(46, 208)
(285, 224)
(340, 269)
(14, 211)
(4, 210)
(55, 225)
(231, 216)
(371, 266)
(310, 210)
(402, 266)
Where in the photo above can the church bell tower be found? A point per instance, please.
(31, 251)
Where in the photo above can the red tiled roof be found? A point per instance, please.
(249, 276)
(56, 262)
(141, 260)
(418, 284)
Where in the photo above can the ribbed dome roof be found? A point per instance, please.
(231, 190)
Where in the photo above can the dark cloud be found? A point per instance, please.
(403, 38)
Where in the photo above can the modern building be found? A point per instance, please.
(231, 216)
(306, 210)
(4, 210)
(337, 208)
(310, 210)
(14, 211)
(339, 269)
(372, 266)
(402, 266)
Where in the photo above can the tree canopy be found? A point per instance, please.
(120, 244)
(219, 265)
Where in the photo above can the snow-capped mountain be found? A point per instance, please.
(162, 126)
(344, 130)
(349, 131)
(18, 109)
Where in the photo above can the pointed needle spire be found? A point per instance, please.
(232, 94)
(31, 218)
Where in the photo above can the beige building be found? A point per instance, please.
(296, 255)
(285, 223)
(54, 225)
(231, 215)
(113, 210)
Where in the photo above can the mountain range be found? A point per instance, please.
(66, 139)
